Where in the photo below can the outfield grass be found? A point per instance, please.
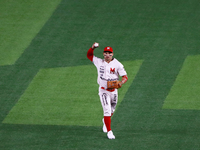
(164, 35)
(20, 23)
(184, 94)
(65, 96)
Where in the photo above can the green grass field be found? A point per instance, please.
(48, 90)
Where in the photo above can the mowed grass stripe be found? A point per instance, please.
(65, 96)
(20, 22)
(185, 92)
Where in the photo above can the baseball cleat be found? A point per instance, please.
(110, 135)
(104, 126)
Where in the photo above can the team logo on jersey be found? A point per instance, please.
(112, 71)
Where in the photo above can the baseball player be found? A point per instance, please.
(109, 69)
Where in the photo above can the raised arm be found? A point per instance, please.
(90, 52)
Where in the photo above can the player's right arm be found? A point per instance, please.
(90, 53)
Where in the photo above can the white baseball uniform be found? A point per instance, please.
(108, 72)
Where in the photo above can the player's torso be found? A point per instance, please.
(108, 71)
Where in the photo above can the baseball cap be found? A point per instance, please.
(108, 49)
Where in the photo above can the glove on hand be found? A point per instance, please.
(114, 84)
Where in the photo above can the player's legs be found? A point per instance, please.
(105, 98)
(106, 105)
(114, 100)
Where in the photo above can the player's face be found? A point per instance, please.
(108, 56)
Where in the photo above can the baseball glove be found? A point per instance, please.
(114, 84)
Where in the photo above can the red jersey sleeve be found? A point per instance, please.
(124, 79)
(90, 54)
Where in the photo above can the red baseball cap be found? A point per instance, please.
(108, 49)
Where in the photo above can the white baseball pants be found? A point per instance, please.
(108, 101)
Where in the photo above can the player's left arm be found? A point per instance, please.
(123, 74)
(124, 79)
